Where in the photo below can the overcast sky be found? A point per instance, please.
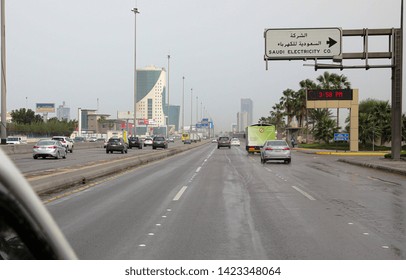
(79, 51)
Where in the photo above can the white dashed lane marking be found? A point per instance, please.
(179, 194)
(304, 193)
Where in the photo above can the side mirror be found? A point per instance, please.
(27, 230)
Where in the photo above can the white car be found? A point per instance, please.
(235, 142)
(275, 150)
(148, 141)
(66, 142)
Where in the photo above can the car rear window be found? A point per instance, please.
(223, 138)
(159, 139)
(276, 143)
(46, 143)
(114, 140)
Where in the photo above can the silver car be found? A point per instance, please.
(275, 150)
(49, 148)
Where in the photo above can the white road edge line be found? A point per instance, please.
(179, 194)
(198, 169)
(304, 193)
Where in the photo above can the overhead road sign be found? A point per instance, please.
(301, 43)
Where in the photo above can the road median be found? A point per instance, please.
(62, 178)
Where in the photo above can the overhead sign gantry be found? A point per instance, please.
(326, 43)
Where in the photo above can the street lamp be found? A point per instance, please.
(3, 130)
(183, 104)
(197, 109)
(167, 123)
(191, 109)
(135, 10)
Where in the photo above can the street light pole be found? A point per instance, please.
(3, 129)
(191, 109)
(167, 124)
(197, 109)
(183, 104)
(135, 10)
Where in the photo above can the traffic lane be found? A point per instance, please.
(371, 200)
(112, 219)
(209, 220)
(236, 209)
(27, 164)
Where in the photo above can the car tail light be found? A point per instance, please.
(268, 149)
(52, 147)
(35, 147)
(286, 149)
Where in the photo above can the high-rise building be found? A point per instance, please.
(63, 112)
(246, 113)
(151, 93)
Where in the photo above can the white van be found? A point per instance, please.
(16, 140)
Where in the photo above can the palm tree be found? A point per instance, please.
(334, 81)
(317, 115)
(302, 100)
(381, 118)
(288, 102)
(324, 129)
(278, 117)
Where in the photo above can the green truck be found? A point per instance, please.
(256, 135)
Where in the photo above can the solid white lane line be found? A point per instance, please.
(179, 194)
(198, 169)
(304, 193)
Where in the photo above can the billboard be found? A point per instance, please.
(45, 107)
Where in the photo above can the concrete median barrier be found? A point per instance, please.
(63, 178)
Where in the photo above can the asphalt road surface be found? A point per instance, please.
(211, 203)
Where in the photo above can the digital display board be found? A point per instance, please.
(329, 94)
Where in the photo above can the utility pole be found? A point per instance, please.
(3, 76)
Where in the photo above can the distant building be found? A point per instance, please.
(246, 113)
(174, 114)
(94, 123)
(152, 108)
(151, 94)
(63, 112)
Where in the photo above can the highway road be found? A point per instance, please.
(210, 203)
(79, 157)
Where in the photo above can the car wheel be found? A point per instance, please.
(64, 156)
(107, 151)
(71, 150)
(122, 151)
(126, 151)
(154, 148)
(35, 157)
(288, 161)
(140, 147)
(57, 156)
